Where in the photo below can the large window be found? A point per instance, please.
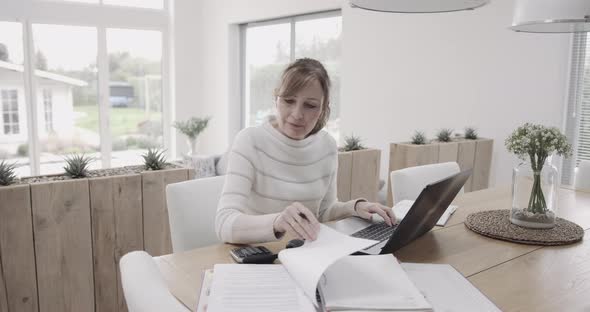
(269, 46)
(578, 109)
(89, 82)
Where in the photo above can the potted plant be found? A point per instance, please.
(419, 138)
(192, 128)
(444, 135)
(471, 152)
(534, 181)
(471, 133)
(7, 175)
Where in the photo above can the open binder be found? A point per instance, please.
(344, 283)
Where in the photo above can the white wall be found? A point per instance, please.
(407, 72)
(403, 72)
(188, 77)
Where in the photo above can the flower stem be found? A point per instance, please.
(537, 203)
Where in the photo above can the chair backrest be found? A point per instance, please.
(144, 287)
(192, 206)
(407, 183)
(582, 179)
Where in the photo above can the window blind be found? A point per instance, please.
(577, 122)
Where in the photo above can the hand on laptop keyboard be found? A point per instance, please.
(366, 210)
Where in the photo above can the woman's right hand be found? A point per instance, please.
(298, 221)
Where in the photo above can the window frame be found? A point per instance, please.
(243, 41)
(101, 17)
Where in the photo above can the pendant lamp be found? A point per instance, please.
(418, 6)
(551, 16)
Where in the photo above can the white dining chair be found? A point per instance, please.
(582, 178)
(192, 206)
(407, 183)
(144, 287)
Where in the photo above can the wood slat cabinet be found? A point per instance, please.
(61, 241)
(469, 154)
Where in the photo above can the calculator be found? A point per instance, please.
(253, 254)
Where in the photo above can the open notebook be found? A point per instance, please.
(322, 265)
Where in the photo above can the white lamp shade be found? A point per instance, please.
(418, 6)
(552, 16)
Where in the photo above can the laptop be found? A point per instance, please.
(422, 216)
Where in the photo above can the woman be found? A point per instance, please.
(281, 175)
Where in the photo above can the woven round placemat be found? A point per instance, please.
(496, 224)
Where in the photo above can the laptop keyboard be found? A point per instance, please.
(377, 231)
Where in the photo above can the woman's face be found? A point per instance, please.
(298, 114)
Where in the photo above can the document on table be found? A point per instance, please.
(307, 263)
(446, 289)
(256, 288)
(287, 287)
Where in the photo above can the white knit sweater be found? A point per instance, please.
(268, 171)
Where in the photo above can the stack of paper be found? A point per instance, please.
(370, 283)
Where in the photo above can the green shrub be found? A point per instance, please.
(23, 150)
(119, 144)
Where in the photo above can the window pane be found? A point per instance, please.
(321, 39)
(135, 66)
(267, 54)
(65, 58)
(14, 143)
(149, 4)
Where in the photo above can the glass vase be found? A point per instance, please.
(192, 146)
(534, 196)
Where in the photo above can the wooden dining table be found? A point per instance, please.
(515, 277)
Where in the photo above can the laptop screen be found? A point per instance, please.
(426, 210)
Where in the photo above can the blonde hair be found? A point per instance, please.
(297, 76)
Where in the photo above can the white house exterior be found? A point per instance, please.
(54, 105)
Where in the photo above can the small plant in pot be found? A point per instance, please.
(419, 138)
(7, 175)
(352, 143)
(77, 166)
(154, 159)
(192, 128)
(471, 133)
(444, 135)
(534, 181)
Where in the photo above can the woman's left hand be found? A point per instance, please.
(366, 210)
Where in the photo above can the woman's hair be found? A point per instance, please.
(297, 76)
